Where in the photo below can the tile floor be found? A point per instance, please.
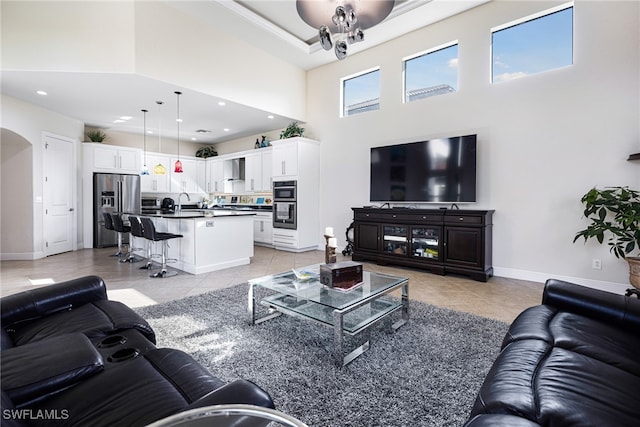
(499, 298)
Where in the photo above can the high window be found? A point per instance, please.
(431, 73)
(533, 44)
(361, 92)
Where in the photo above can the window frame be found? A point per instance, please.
(523, 20)
(443, 46)
(353, 76)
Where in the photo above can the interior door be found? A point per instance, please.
(59, 205)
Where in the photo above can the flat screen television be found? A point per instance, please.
(435, 171)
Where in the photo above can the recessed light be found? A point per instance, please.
(126, 118)
(194, 139)
(41, 92)
(222, 103)
(149, 131)
(270, 117)
(226, 129)
(118, 121)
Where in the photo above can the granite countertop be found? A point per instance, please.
(193, 213)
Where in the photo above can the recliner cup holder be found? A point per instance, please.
(123, 354)
(112, 341)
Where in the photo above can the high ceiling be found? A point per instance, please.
(272, 25)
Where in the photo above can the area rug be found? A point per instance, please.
(427, 373)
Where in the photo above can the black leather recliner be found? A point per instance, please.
(72, 357)
(572, 361)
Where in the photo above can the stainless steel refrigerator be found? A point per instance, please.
(113, 193)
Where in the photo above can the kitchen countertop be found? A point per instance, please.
(193, 213)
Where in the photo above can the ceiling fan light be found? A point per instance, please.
(325, 38)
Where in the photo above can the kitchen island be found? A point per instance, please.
(212, 239)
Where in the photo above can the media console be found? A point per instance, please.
(439, 240)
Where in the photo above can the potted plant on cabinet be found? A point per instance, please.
(615, 212)
(96, 135)
(292, 130)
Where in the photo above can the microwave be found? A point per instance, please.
(284, 191)
(150, 203)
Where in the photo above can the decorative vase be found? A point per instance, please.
(634, 271)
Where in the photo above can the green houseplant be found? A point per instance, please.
(614, 212)
(292, 130)
(96, 135)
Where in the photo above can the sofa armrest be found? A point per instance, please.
(238, 392)
(37, 369)
(43, 301)
(594, 303)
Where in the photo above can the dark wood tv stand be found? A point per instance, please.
(439, 240)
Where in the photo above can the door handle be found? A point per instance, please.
(71, 209)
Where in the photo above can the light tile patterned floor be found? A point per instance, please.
(499, 298)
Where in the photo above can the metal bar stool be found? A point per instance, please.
(108, 224)
(136, 230)
(119, 226)
(149, 231)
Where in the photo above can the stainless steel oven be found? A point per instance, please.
(285, 204)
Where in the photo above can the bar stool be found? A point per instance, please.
(136, 230)
(119, 226)
(150, 233)
(108, 224)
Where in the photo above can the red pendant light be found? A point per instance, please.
(178, 165)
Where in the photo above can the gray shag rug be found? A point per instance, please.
(427, 373)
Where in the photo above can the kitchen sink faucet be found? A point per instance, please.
(179, 201)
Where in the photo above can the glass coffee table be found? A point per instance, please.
(348, 312)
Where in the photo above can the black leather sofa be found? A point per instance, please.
(572, 361)
(69, 356)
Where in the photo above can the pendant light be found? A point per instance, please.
(159, 169)
(178, 166)
(145, 170)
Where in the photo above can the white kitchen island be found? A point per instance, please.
(212, 240)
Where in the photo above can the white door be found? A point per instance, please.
(59, 210)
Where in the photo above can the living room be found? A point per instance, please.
(543, 140)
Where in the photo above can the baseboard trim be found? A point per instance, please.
(535, 276)
(21, 256)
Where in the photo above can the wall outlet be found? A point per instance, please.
(596, 264)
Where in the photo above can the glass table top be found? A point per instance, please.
(309, 287)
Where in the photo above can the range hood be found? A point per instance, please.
(236, 170)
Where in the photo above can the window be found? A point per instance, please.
(431, 73)
(535, 44)
(361, 93)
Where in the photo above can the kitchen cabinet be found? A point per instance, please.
(285, 157)
(156, 183)
(187, 181)
(114, 159)
(441, 241)
(297, 159)
(267, 169)
(253, 172)
(263, 229)
(258, 168)
(214, 175)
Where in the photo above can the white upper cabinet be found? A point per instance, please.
(187, 181)
(214, 175)
(285, 157)
(267, 169)
(154, 182)
(111, 158)
(253, 172)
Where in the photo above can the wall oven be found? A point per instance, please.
(285, 204)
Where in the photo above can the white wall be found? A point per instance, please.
(29, 122)
(544, 140)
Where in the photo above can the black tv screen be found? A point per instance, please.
(434, 171)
